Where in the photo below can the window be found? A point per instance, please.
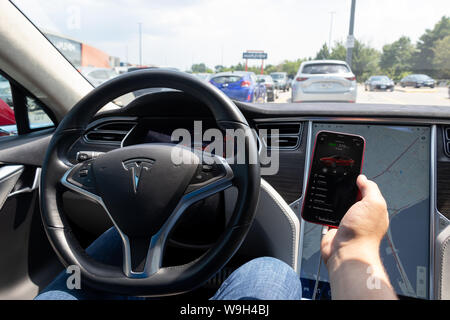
(7, 119)
(20, 112)
(226, 79)
(325, 68)
(37, 117)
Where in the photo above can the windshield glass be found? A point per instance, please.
(277, 75)
(379, 79)
(393, 39)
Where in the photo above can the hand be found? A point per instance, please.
(363, 226)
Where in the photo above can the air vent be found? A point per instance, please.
(289, 135)
(447, 141)
(283, 128)
(109, 133)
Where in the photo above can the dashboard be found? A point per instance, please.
(405, 154)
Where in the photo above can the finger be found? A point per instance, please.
(328, 238)
(367, 187)
(325, 245)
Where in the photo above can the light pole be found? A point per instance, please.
(332, 13)
(140, 43)
(351, 38)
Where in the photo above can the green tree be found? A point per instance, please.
(397, 58)
(365, 61)
(198, 68)
(441, 61)
(424, 58)
(339, 52)
(324, 53)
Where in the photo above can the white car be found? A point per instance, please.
(324, 80)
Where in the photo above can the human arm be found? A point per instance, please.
(351, 252)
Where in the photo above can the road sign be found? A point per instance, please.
(255, 55)
(350, 41)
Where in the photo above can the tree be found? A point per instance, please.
(324, 53)
(365, 61)
(339, 52)
(441, 61)
(200, 68)
(397, 58)
(424, 58)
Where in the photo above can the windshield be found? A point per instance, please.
(395, 39)
(422, 77)
(379, 79)
(277, 76)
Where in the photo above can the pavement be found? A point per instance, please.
(403, 96)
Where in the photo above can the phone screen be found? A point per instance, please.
(331, 189)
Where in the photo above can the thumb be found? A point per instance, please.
(367, 187)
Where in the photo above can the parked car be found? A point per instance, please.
(418, 81)
(7, 117)
(281, 80)
(270, 86)
(97, 76)
(324, 80)
(379, 83)
(5, 91)
(240, 86)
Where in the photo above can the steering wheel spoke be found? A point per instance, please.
(80, 179)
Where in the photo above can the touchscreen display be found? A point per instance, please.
(332, 186)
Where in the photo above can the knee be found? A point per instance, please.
(265, 279)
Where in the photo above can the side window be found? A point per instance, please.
(37, 117)
(20, 112)
(8, 125)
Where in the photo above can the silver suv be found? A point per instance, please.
(324, 80)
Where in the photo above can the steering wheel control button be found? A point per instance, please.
(83, 156)
(82, 176)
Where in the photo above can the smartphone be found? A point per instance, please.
(331, 189)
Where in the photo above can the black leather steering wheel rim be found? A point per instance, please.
(170, 280)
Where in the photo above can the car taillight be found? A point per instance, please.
(351, 78)
(245, 84)
(299, 79)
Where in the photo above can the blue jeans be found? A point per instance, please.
(260, 279)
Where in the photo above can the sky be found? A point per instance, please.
(179, 33)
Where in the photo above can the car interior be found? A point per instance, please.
(51, 211)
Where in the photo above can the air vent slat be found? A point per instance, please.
(109, 133)
(283, 128)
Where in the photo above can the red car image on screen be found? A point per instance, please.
(337, 161)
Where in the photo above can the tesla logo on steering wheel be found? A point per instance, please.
(136, 166)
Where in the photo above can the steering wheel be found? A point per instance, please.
(145, 193)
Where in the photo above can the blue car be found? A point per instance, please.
(240, 86)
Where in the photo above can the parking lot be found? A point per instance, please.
(405, 96)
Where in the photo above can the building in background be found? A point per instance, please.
(81, 54)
